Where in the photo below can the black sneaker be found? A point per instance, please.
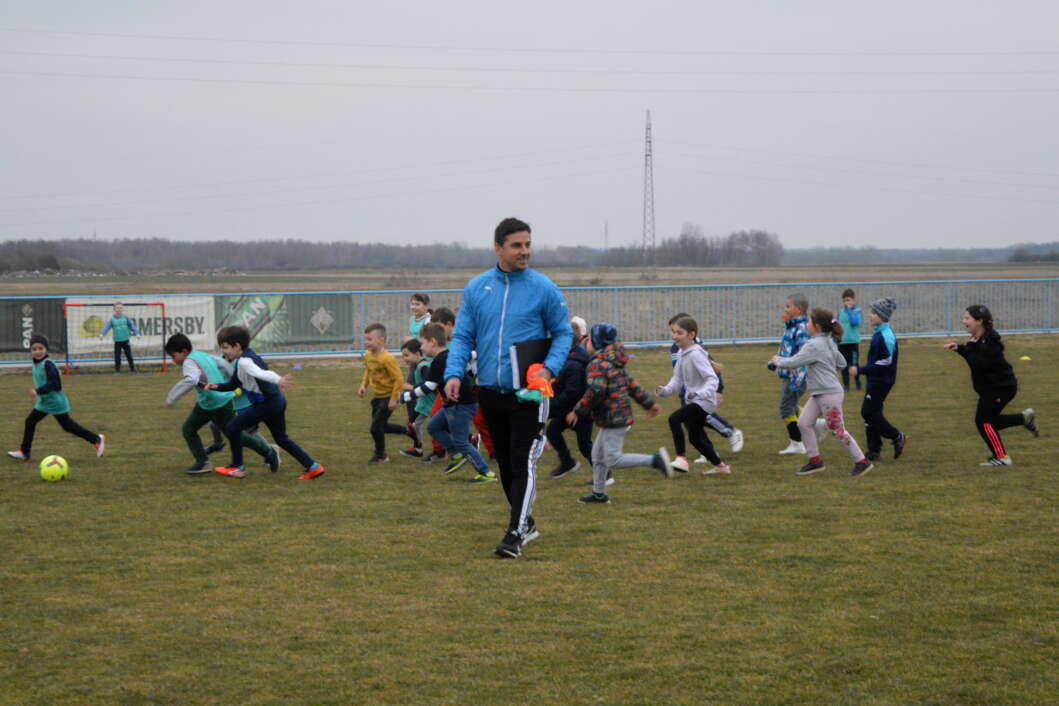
(510, 546)
(273, 459)
(810, 468)
(594, 499)
(564, 469)
(214, 448)
(861, 467)
(412, 452)
(899, 446)
(661, 462)
(872, 455)
(197, 468)
(431, 457)
(379, 459)
(1029, 420)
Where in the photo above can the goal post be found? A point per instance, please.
(86, 321)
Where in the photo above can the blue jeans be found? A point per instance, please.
(451, 426)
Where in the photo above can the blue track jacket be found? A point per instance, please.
(503, 308)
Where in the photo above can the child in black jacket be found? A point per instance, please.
(994, 381)
(569, 388)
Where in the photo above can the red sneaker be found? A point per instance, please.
(315, 472)
(231, 471)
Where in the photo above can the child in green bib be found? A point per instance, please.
(198, 369)
(122, 327)
(50, 399)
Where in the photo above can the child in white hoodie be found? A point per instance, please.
(823, 361)
(695, 375)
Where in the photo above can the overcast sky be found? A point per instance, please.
(907, 123)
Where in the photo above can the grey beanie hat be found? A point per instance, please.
(884, 308)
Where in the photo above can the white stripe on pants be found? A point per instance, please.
(607, 454)
(829, 407)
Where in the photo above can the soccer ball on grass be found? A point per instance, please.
(54, 468)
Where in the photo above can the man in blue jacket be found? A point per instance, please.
(510, 304)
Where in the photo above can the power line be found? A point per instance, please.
(863, 160)
(546, 50)
(543, 89)
(278, 192)
(512, 69)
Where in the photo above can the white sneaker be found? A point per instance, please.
(820, 427)
(18, 455)
(101, 446)
(701, 459)
(795, 447)
(680, 463)
(735, 441)
(1005, 461)
(721, 469)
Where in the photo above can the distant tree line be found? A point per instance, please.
(1035, 253)
(153, 254)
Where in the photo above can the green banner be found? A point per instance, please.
(21, 318)
(276, 320)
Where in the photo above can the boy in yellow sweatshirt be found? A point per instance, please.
(384, 375)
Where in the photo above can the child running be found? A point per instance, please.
(418, 304)
(412, 355)
(211, 407)
(569, 388)
(608, 399)
(821, 358)
(263, 388)
(50, 399)
(384, 376)
(792, 379)
(849, 317)
(994, 380)
(451, 425)
(881, 373)
(123, 328)
(713, 420)
(697, 380)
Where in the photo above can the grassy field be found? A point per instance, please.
(930, 580)
(164, 283)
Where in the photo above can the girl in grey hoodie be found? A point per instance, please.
(823, 361)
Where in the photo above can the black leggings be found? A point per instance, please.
(68, 425)
(990, 421)
(694, 418)
(118, 348)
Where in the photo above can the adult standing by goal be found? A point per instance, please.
(510, 304)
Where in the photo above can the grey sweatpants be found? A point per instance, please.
(788, 402)
(607, 454)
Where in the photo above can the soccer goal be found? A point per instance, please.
(85, 347)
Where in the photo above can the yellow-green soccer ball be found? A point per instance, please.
(54, 468)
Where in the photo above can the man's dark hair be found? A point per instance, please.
(435, 332)
(507, 227)
(443, 315)
(412, 346)
(178, 343)
(234, 334)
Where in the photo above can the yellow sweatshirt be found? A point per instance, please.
(383, 374)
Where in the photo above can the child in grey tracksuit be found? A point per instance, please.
(823, 361)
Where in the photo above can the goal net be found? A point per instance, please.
(87, 346)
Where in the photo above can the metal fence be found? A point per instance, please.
(330, 323)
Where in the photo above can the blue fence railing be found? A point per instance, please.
(332, 322)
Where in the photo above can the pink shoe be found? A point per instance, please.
(721, 469)
(231, 471)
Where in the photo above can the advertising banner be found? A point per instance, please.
(192, 316)
(277, 320)
(21, 318)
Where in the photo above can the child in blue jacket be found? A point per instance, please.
(881, 374)
(849, 317)
(123, 327)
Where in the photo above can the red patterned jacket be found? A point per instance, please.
(610, 390)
